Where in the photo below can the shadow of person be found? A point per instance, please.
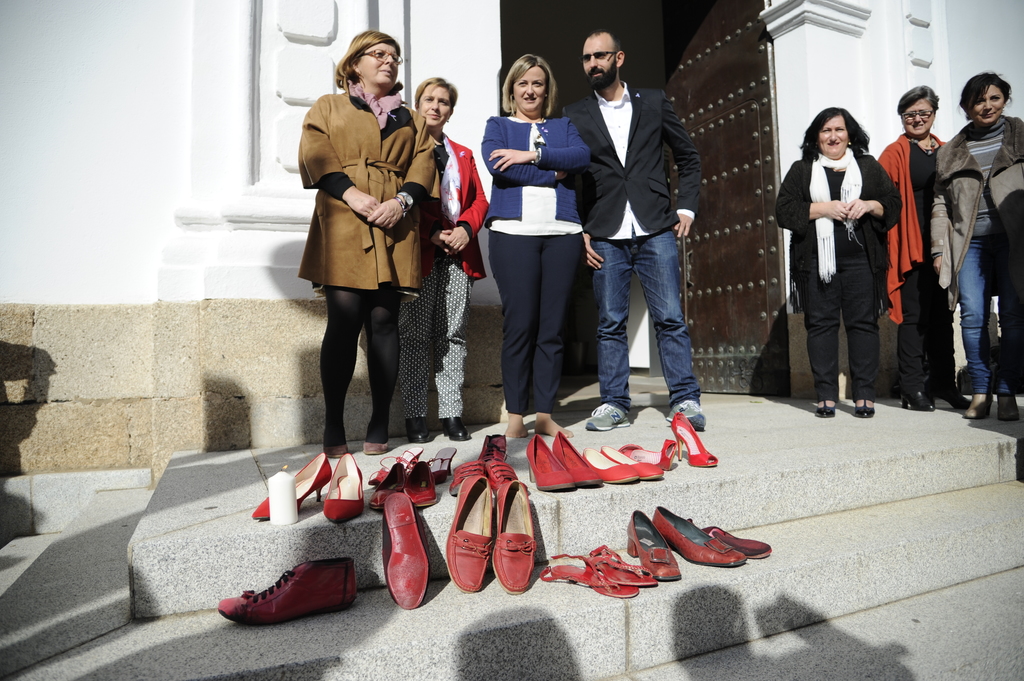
(708, 618)
(532, 646)
(227, 424)
(24, 388)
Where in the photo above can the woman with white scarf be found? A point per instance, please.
(839, 203)
(451, 261)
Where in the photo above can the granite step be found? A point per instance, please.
(822, 568)
(778, 463)
(77, 588)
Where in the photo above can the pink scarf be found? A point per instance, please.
(380, 106)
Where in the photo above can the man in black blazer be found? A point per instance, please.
(630, 227)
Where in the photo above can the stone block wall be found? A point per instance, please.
(124, 386)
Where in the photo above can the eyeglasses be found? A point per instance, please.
(599, 56)
(911, 115)
(382, 56)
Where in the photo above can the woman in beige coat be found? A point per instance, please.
(371, 160)
(977, 231)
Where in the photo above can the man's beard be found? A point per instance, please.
(602, 80)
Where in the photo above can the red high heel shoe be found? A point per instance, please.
(663, 460)
(646, 471)
(312, 478)
(696, 455)
(407, 459)
(344, 499)
(615, 473)
(582, 474)
(419, 485)
(546, 471)
(394, 483)
(441, 465)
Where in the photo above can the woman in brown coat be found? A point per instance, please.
(371, 160)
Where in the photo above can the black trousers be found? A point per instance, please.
(850, 295)
(926, 331)
(534, 276)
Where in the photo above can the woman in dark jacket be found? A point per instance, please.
(839, 203)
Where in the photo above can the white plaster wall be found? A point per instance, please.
(94, 140)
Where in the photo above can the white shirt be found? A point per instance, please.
(617, 117)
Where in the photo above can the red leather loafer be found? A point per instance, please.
(546, 471)
(468, 549)
(751, 548)
(307, 589)
(406, 565)
(692, 544)
(419, 485)
(515, 546)
(647, 544)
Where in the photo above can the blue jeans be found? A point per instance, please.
(985, 273)
(656, 263)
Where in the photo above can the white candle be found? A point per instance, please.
(283, 509)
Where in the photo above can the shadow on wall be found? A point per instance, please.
(24, 388)
(714, 618)
(227, 424)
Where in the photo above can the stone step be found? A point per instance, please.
(822, 568)
(77, 588)
(778, 463)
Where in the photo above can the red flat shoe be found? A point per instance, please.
(582, 474)
(611, 566)
(468, 549)
(441, 465)
(546, 471)
(494, 448)
(344, 499)
(647, 544)
(692, 544)
(407, 459)
(499, 473)
(515, 546)
(470, 469)
(419, 485)
(406, 563)
(615, 473)
(663, 459)
(394, 483)
(696, 455)
(646, 471)
(308, 589)
(751, 548)
(586, 576)
(312, 478)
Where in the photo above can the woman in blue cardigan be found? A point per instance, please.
(536, 238)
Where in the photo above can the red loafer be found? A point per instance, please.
(647, 544)
(751, 548)
(307, 589)
(468, 549)
(515, 546)
(692, 544)
(406, 564)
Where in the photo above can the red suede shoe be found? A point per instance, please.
(582, 474)
(546, 471)
(470, 539)
(406, 564)
(308, 589)
(515, 546)
(692, 544)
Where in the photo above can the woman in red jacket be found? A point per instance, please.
(451, 263)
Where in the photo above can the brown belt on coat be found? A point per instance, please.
(359, 170)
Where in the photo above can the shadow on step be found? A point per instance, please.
(709, 619)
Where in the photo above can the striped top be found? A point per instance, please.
(983, 143)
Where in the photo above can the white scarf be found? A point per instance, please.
(451, 183)
(820, 194)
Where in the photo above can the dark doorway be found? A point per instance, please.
(713, 59)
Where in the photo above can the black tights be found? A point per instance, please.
(348, 311)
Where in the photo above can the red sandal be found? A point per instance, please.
(586, 576)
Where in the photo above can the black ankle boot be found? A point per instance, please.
(416, 429)
(953, 396)
(454, 429)
(917, 401)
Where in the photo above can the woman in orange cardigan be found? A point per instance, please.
(916, 301)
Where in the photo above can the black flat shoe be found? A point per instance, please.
(919, 402)
(416, 429)
(825, 412)
(864, 412)
(454, 429)
(953, 396)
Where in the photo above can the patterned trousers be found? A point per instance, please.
(437, 318)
